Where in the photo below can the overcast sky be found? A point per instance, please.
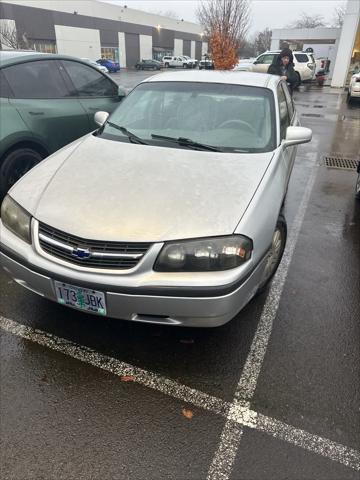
(265, 13)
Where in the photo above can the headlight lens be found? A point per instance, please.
(205, 255)
(16, 219)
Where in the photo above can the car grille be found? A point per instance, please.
(90, 253)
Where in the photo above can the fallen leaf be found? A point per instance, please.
(187, 413)
(127, 378)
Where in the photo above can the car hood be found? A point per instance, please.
(110, 190)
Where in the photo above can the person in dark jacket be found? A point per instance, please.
(283, 65)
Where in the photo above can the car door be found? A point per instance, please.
(94, 89)
(262, 63)
(287, 118)
(43, 101)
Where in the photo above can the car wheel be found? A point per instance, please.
(357, 188)
(275, 254)
(14, 165)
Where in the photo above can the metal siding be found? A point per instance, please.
(36, 23)
(132, 45)
(109, 38)
(198, 46)
(187, 48)
(163, 38)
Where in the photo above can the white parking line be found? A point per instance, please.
(238, 413)
(249, 377)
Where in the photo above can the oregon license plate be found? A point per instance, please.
(81, 298)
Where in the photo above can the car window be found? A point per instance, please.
(88, 81)
(39, 79)
(5, 91)
(301, 57)
(289, 100)
(231, 117)
(283, 112)
(266, 59)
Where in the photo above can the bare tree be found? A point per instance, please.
(9, 37)
(262, 41)
(226, 23)
(338, 16)
(308, 21)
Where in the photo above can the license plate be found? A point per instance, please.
(82, 298)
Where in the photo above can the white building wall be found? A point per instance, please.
(192, 49)
(346, 43)
(80, 42)
(204, 48)
(145, 47)
(9, 25)
(178, 46)
(122, 49)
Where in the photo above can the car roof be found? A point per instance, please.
(278, 51)
(12, 57)
(219, 76)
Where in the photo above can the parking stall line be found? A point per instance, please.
(238, 414)
(116, 367)
(250, 374)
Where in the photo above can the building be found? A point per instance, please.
(95, 29)
(340, 45)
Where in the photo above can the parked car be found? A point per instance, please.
(172, 61)
(189, 62)
(148, 65)
(112, 66)
(206, 63)
(46, 101)
(95, 64)
(354, 87)
(304, 64)
(191, 239)
(357, 187)
(244, 64)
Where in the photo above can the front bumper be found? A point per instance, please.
(166, 309)
(355, 92)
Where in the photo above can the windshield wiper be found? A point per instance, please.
(132, 137)
(187, 142)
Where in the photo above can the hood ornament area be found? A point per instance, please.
(81, 253)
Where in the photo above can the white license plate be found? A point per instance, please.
(82, 298)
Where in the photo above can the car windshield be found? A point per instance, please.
(229, 117)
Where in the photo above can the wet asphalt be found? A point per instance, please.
(64, 419)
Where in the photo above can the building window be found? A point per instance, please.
(159, 53)
(44, 46)
(111, 53)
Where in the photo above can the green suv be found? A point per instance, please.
(46, 102)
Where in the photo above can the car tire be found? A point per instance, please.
(357, 188)
(14, 165)
(275, 254)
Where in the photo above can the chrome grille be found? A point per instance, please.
(108, 255)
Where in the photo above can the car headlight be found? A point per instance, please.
(204, 255)
(16, 219)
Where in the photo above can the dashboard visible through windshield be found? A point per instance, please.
(231, 118)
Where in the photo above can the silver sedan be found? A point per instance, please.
(171, 212)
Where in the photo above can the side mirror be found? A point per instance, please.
(297, 135)
(122, 92)
(100, 118)
(255, 63)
